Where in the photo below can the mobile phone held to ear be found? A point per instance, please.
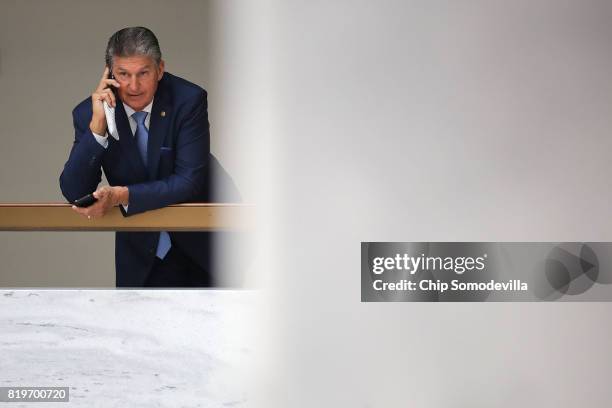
(85, 201)
(109, 112)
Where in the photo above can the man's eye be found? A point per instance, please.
(144, 73)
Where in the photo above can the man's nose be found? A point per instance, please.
(133, 85)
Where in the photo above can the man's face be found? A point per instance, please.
(138, 77)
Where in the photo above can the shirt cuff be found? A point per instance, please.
(103, 140)
(125, 206)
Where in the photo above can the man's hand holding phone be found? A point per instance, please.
(106, 197)
(103, 92)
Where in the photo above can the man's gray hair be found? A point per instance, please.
(133, 41)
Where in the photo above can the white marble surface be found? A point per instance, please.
(120, 348)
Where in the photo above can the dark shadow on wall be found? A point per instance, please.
(227, 254)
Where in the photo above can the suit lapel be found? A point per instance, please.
(128, 143)
(158, 128)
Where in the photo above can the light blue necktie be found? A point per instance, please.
(142, 139)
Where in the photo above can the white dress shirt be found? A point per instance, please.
(103, 140)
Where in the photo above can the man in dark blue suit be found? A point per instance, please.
(160, 158)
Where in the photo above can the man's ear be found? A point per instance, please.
(160, 70)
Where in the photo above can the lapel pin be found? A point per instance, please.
(163, 114)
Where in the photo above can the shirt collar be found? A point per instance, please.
(129, 111)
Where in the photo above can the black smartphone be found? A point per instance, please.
(111, 76)
(85, 201)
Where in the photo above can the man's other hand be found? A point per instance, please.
(102, 93)
(108, 197)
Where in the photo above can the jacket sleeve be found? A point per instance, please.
(192, 150)
(82, 172)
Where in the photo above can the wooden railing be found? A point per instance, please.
(180, 217)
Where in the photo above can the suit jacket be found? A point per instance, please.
(178, 157)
